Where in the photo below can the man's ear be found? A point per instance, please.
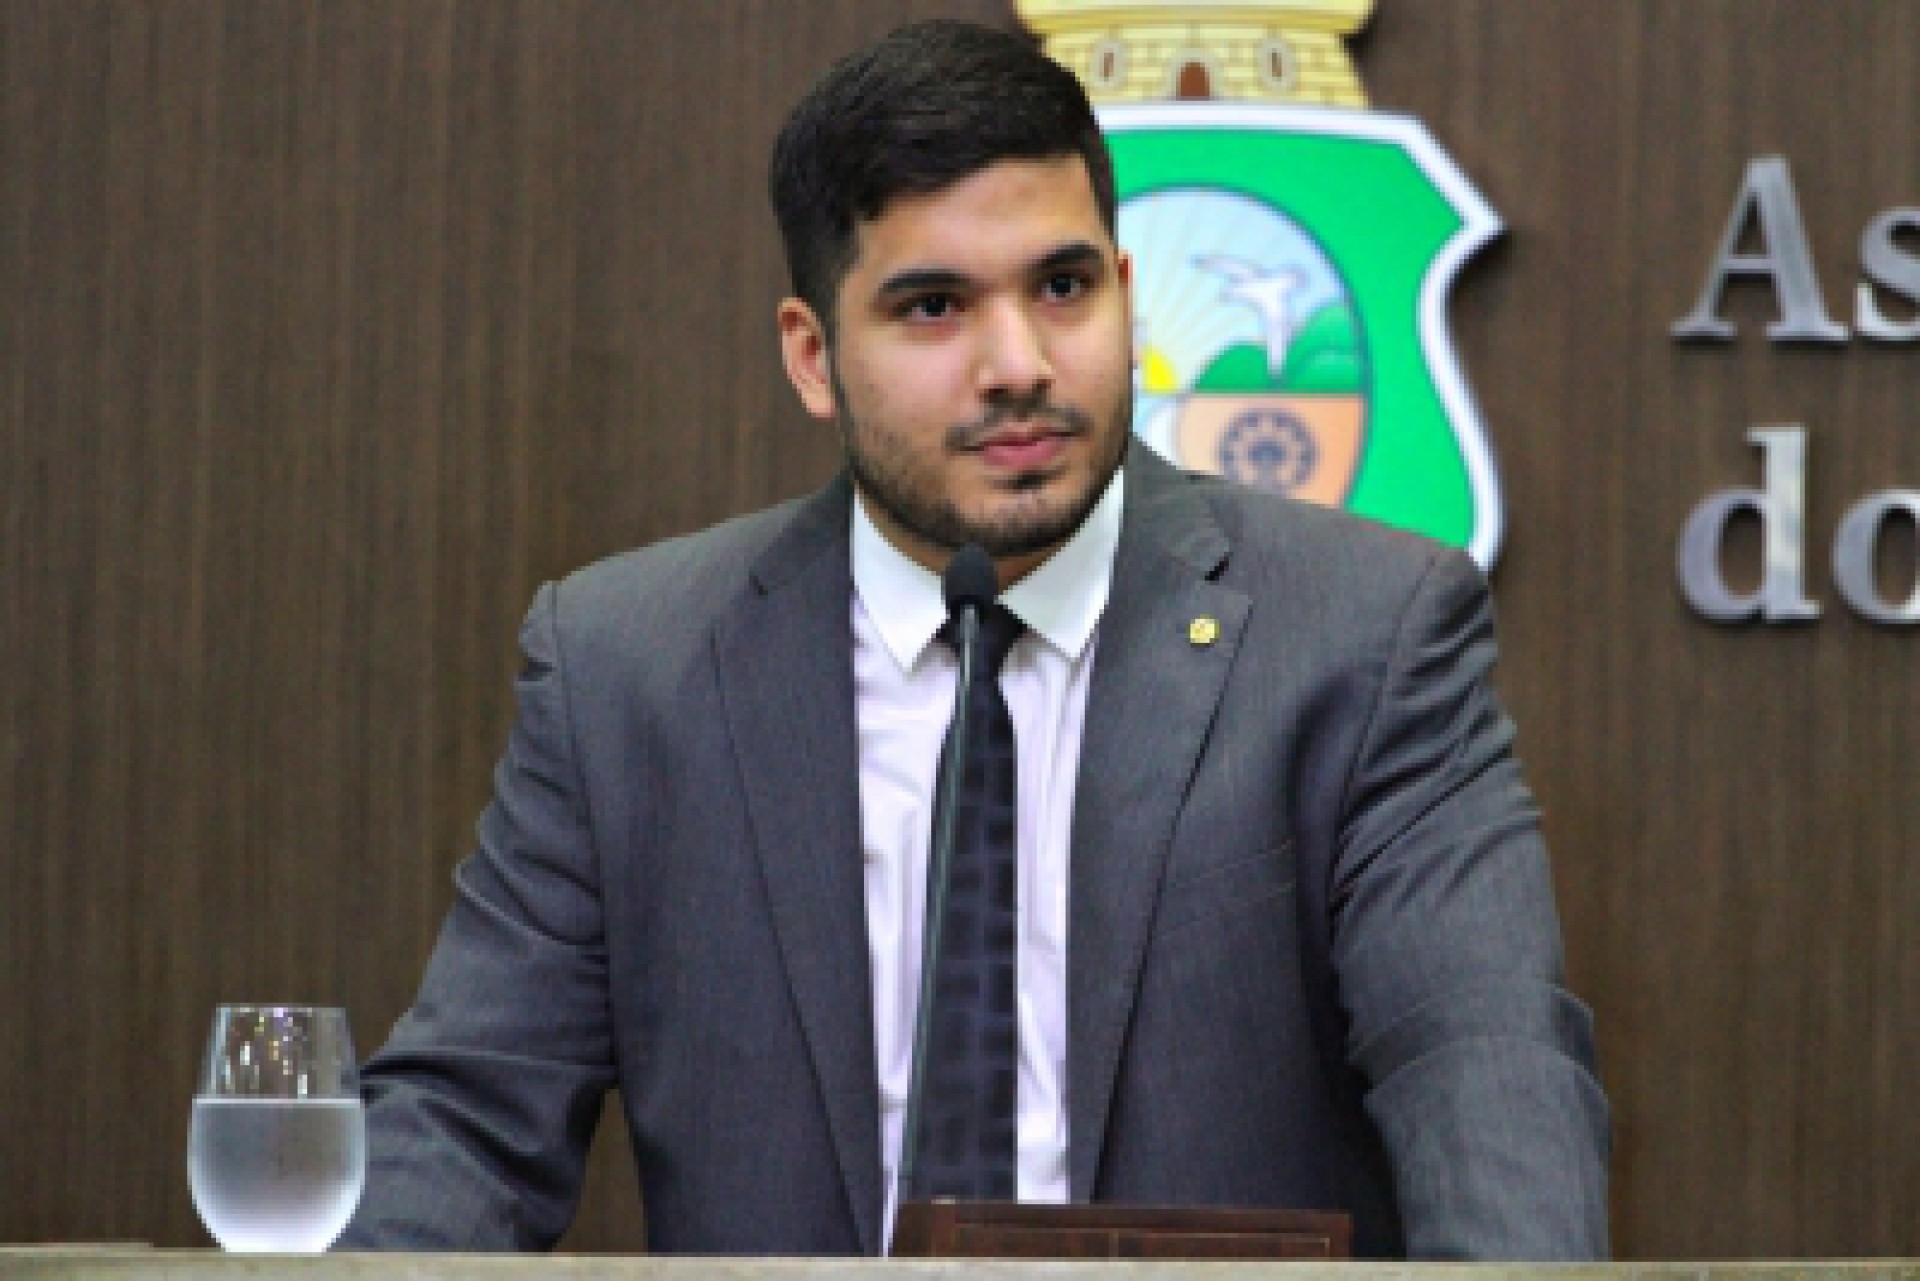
(803, 349)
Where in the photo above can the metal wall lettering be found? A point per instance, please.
(1854, 549)
(1886, 264)
(1766, 216)
(1781, 506)
(1766, 197)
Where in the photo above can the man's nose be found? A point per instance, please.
(1013, 353)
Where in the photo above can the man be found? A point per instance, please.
(1285, 926)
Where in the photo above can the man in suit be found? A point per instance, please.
(1285, 928)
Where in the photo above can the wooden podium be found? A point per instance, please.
(946, 1229)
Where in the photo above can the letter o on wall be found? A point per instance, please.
(1854, 547)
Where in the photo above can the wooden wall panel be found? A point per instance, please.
(332, 327)
(1727, 806)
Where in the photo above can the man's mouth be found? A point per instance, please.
(1023, 450)
(1022, 442)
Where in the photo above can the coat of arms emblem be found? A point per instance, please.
(1293, 252)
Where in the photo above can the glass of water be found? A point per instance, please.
(278, 1148)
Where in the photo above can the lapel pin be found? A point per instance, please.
(1203, 631)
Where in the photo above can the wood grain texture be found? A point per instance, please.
(333, 327)
(1727, 806)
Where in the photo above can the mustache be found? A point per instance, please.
(1064, 420)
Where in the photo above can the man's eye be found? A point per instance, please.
(1063, 286)
(929, 307)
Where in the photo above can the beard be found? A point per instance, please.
(1035, 520)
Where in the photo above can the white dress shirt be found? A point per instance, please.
(903, 694)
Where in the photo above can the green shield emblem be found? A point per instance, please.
(1291, 272)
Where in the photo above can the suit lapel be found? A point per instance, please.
(1154, 695)
(786, 675)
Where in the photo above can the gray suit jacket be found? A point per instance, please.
(1313, 955)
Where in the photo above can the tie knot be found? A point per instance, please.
(1000, 627)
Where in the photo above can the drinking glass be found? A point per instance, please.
(277, 1153)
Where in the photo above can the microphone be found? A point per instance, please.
(970, 580)
(970, 585)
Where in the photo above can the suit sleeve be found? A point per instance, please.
(481, 1105)
(1479, 1064)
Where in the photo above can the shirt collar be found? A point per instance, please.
(1060, 600)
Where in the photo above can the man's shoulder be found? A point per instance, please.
(1275, 537)
(678, 583)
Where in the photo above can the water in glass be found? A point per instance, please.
(277, 1152)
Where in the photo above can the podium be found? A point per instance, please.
(947, 1229)
(105, 1263)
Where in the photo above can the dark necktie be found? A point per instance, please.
(969, 1094)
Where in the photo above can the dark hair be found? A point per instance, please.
(931, 104)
